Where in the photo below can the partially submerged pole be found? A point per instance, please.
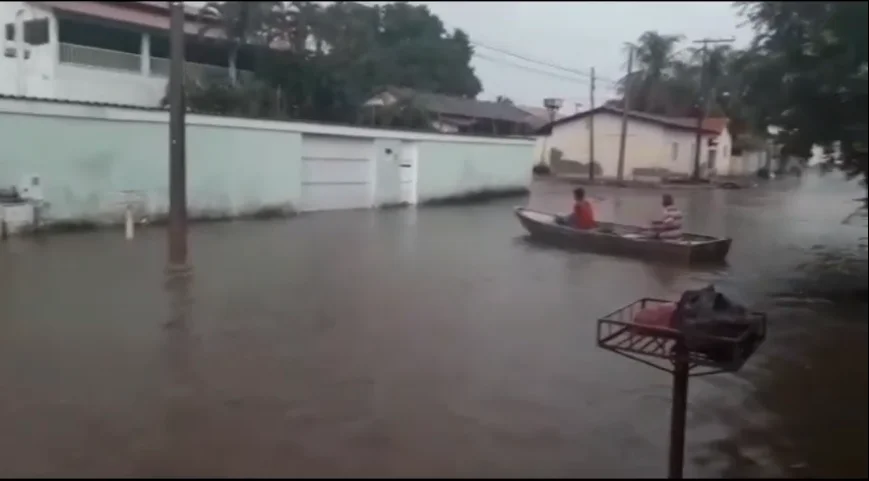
(591, 128)
(177, 149)
(679, 412)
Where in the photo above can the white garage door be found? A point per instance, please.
(337, 173)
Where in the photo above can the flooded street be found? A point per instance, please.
(426, 342)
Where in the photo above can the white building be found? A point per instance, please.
(113, 52)
(655, 146)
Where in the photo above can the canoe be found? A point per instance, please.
(624, 240)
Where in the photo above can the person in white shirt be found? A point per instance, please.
(669, 227)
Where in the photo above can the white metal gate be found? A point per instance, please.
(337, 173)
(408, 171)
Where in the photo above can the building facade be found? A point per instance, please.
(113, 52)
(654, 146)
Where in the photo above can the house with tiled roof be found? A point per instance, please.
(655, 146)
(451, 114)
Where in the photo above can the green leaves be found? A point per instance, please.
(326, 60)
(809, 75)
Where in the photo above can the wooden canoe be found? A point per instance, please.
(624, 240)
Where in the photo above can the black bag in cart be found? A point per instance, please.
(707, 319)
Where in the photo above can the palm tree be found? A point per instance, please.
(654, 56)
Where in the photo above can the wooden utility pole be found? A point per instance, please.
(591, 129)
(626, 107)
(177, 148)
(704, 101)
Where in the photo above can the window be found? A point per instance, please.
(725, 152)
(36, 32)
(675, 151)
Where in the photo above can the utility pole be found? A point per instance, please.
(704, 101)
(177, 148)
(626, 107)
(591, 129)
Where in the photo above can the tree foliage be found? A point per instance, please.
(805, 73)
(809, 76)
(322, 62)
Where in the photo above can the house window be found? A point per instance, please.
(675, 151)
(725, 151)
(36, 32)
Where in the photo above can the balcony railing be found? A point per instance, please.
(202, 72)
(128, 62)
(99, 57)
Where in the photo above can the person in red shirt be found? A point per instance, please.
(582, 216)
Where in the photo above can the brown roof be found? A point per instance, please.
(717, 124)
(461, 106)
(142, 14)
(669, 122)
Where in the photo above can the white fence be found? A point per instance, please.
(128, 62)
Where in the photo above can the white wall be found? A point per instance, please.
(92, 84)
(453, 169)
(724, 152)
(87, 155)
(746, 164)
(33, 76)
(647, 145)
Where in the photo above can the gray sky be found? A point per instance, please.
(576, 35)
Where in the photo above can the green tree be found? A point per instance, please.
(649, 86)
(325, 61)
(240, 23)
(809, 77)
(667, 81)
(417, 52)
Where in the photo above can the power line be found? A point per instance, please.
(581, 81)
(521, 57)
(531, 69)
(540, 62)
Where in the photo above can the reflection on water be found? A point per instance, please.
(428, 342)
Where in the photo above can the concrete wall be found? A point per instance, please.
(648, 146)
(744, 165)
(92, 84)
(31, 74)
(723, 152)
(86, 156)
(453, 169)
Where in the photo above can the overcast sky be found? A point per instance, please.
(575, 35)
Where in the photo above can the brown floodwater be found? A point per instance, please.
(423, 342)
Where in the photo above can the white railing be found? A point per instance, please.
(99, 57)
(111, 59)
(160, 67)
